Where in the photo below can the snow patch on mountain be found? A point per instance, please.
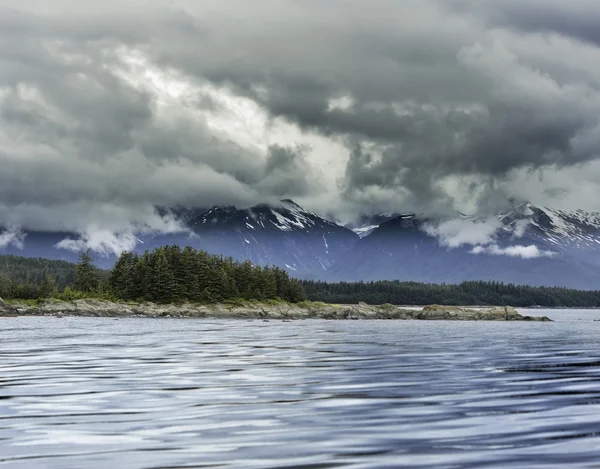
(365, 230)
(366, 224)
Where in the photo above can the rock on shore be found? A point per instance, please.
(7, 310)
(250, 310)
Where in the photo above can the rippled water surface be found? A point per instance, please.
(180, 393)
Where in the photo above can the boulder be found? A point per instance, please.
(458, 313)
(7, 310)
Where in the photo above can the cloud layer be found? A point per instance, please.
(522, 251)
(110, 108)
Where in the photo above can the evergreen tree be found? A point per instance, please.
(188, 276)
(163, 286)
(141, 278)
(7, 287)
(86, 273)
(48, 287)
(296, 292)
(269, 283)
(121, 276)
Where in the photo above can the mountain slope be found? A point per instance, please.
(285, 235)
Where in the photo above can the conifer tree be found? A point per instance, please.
(188, 276)
(141, 278)
(121, 276)
(269, 286)
(86, 273)
(163, 285)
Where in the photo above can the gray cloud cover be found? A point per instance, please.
(109, 108)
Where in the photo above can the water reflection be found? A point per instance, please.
(173, 393)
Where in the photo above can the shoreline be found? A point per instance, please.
(256, 310)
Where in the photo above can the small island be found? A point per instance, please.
(258, 310)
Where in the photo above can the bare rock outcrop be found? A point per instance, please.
(7, 310)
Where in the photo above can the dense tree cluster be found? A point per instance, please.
(467, 293)
(170, 274)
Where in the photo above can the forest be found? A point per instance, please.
(168, 274)
(467, 293)
(171, 274)
(27, 278)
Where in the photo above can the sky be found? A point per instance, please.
(111, 108)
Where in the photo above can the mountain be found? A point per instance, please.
(285, 235)
(532, 246)
(282, 234)
(568, 233)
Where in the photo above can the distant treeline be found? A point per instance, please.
(22, 277)
(168, 274)
(467, 293)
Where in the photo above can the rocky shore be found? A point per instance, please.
(243, 310)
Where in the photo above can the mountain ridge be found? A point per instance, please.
(526, 244)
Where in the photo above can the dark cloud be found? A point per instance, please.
(82, 143)
(578, 19)
(419, 105)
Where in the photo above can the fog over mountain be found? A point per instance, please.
(110, 108)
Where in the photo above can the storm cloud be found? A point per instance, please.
(108, 109)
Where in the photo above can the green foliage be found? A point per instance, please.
(48, 287)
(70, 294)
(467, 293)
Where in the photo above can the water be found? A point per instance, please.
(178, 393)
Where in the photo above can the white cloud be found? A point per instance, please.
(481, 234)
(14, 237)
(520, 227)
(102, 242)
(459, 232)
(524, 252)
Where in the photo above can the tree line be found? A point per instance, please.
(167, 274)
(171, 274)
(466, 293)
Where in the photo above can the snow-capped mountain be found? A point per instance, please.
(527, 245)
(284, 234)
(559, 228)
